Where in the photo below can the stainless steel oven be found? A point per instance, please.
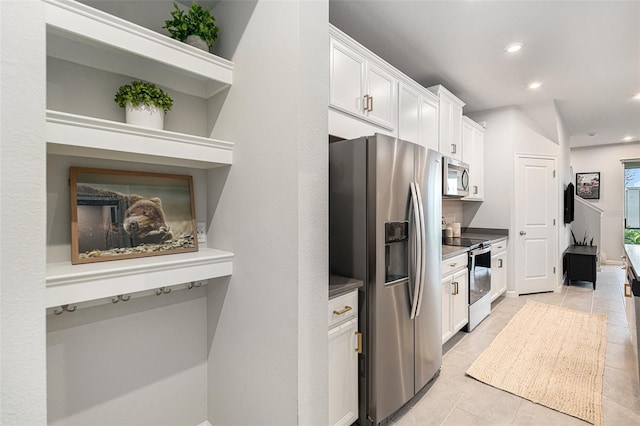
(479, 284)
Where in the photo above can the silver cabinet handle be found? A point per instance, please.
(475, 189)
(366, 103)
(499, 263)
(370, 104)
(523, 233)
(453, 148)
(455, 288)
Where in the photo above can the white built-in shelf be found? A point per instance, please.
(68, 284)
(80, 136)
(81, 34)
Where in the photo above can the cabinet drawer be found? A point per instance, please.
(343, 308)
(454, 263)
(499, 247)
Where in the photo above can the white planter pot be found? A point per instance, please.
(144, 116)
(197, 41)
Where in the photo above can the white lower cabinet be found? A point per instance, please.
(498, 269)
(455, 295)
(344, 346)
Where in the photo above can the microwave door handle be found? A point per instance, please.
(417, 251)
(422, 253)
(465, 179)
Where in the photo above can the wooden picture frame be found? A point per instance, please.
(588, 185)
(118, 214)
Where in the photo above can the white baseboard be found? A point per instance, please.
(511, 293)
(613, 262)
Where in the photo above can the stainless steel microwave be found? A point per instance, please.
(455, 178)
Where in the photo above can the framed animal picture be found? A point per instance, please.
(118, 214)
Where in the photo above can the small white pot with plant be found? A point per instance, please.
(145, 105)
(195, 28)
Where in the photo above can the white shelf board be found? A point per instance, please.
(67, 283)
(81, 34)
(80, 136)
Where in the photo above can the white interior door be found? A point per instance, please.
(535, 220)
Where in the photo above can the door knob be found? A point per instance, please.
(523, 233)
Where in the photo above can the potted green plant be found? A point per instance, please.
(145, 105)
(196, 27)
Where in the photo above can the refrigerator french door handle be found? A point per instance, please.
(418, 251)
(422, 253)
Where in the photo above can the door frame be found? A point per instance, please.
(515, 249)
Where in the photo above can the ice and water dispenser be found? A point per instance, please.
(396, 250)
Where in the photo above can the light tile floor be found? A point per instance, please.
(456, 399)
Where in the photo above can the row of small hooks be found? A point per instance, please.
(125, 297)
(64, 308)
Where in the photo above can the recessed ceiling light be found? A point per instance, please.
(513, 47)
(592, 134)
(637, 97)
(535, 85)
(627, 138)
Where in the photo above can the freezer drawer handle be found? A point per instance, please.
(342, 311)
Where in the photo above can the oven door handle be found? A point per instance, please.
(479, 251)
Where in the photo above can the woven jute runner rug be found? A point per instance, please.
(552, 356)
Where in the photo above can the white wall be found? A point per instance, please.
(606, 160)
(564, 175)
(22, 215)
(509, 133)
(140, 362)
(268, 330)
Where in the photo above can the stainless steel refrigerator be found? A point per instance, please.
(385, 228)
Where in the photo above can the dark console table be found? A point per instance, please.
(580, 263)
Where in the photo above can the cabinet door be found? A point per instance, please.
(428, 125)
(498, 274)
(408, 114)
(444, 127)
(447, 330)
(343, 373)
(460, 297)
(346, 82)
(456, 132)
(381, 86)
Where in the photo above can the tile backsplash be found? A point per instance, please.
(452, 210)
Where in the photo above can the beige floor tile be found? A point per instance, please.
(615, 414)
(613, 318)
(622, 387)
(531, 414)
(608, 305)
(489, 403)
(435, 408)
(621, 357)
(460, 417)
(618, 334)
(578, 303)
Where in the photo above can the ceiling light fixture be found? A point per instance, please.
(535, 85)
(513, 47)
(592, 134)
(627, 138)
(637, 97)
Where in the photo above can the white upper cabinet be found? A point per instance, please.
(347, 79)
(380, 99)
(418, 115)
(408, 114)
(428, 126)
(450, 122)
(473, 154)
(361, 86)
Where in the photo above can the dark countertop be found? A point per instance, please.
(633, 260)
(341, 285)
(492, 235)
